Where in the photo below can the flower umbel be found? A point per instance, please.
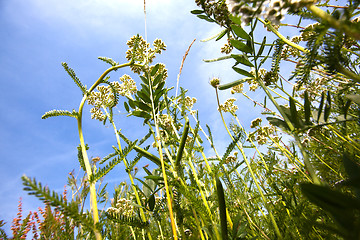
(229, 106)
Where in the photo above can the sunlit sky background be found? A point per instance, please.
(37, 35)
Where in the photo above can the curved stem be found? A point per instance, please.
(93, 199)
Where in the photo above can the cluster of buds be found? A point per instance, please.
(229, 106)
(231, 159)
(253, 84)
(262, 134)
(166, 122)
(140, 52)
(272, 10)
(215, 9)
(124, 207)
(104, 96)
(237, 89)
(227, 48)
(289, 51)
(162, 70)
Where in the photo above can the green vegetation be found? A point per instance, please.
(296, 178)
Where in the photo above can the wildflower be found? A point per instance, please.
(237, 89)
(215, 82)
(229, 106)
(256, 123)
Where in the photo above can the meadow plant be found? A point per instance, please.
(294, 175)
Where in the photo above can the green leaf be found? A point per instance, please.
(141, 114)
(108, 60)
(144, 97)
(339, 205)
(154, 177)
(182, 145)
(243, 72)
(321, 106)
(293, 111)
(242, 59)
(353, 97)
(151, 202)
(197, 11)
(126, 107)
(235, 19)
(307, 108)
(221, 35)
(143, 106)
(222, 209)
(278, 123)
(233, 84)
(240, 46)
(240, 32)
(346, 108)
(261, 49)
(157, 79)
(132, 103)
(144, 80)
(204, 17)
(327, 107)
(155, 69)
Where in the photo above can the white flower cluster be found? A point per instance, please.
(104, 97)
(123, 206)
(272, 10)
(229, 106)
(262, 134)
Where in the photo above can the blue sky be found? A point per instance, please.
(37, 35)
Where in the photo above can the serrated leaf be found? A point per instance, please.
(55, 113)
(240, 32)
(243, 72)
(72, 74)
(108, 60)
(204, 17)
(240, 46)
(242, 59)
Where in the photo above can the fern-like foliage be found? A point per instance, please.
(69, 209)
(108, 60)
(74, 77)
(114, 92)
(80, 156)
(130, 221)
(55, 113)
(231, 146)
(279, 44)
(105, 170)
